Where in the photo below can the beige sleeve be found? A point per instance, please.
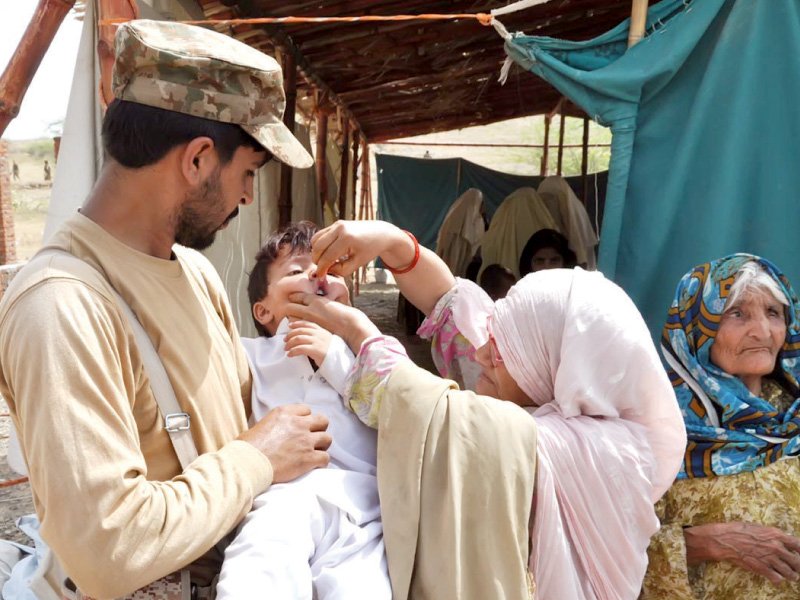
(667, 576)
(64, 351)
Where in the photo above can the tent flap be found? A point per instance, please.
(704, 127)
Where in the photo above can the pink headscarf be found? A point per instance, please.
(578, 347)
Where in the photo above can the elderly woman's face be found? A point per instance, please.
(750, 335)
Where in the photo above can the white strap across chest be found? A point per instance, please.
(176, 422)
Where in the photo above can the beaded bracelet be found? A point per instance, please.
(413, 262)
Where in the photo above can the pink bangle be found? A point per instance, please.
(413, 262)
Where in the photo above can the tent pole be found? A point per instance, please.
(356, 148)
(110, 9)
(362, 209)
(29, 54)
(585, 160)
(321, 163)
(561, 140)
(344, 171)
(543, 169)
(638, 22)
(290, 86)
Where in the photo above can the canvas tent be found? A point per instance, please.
(704, 123)
(696, 139)
(416, 193)
(379, 81)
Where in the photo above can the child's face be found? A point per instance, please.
(292, 273)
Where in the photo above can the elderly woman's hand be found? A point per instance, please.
(767, 551)
(349, 323)
(347, 245)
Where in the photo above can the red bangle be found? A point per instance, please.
(413, 262)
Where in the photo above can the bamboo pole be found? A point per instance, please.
(638, 22)
(561, 140)
(354, 169)
(29, 54)
(344, 170)
(546, 150)
(322, 159)
(365, 181)
(290, 87)
(585, 160)
(110, 9)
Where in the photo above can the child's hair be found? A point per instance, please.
(496, 280)
(295, 236)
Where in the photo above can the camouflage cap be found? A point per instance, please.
(203, 73)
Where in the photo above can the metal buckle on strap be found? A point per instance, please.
(177, 422)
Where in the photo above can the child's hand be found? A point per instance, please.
(308, 339)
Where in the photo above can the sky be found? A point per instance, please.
(46, 100)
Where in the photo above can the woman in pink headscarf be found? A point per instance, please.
(541, 483)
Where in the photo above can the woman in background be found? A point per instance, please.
(546, 249)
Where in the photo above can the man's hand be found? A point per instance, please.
(308, 339)
(293, 439)
(766, 551)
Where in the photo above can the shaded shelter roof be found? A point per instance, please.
(398, 79)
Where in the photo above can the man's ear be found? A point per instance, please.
(262, 314)
(198, 160)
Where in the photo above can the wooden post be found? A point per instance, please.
(322, 161)
(585, 160)
(356, 147)
(344, 171)
(29, 54)
(546, 149)
(561, 140)
(638, 22)
(290, 87)
(362, 208)
(110, 9)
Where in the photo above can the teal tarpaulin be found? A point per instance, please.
(705, 122)
(416, 193)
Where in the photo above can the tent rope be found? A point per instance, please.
(486, 19)
(482, 18)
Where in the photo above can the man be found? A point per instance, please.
(196, 114)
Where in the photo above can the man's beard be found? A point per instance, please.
(195, 225)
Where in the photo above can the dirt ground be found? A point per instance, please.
(379, 301)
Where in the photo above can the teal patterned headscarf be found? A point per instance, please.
(729, 429)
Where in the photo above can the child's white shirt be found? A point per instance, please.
(279, 380)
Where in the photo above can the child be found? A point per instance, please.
(496, 280)
(319, 536)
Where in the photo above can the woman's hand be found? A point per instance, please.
(308, 339)
(766, 551)
(347, 245)
(349, 323)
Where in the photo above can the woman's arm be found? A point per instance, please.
(347, 245)
(376, 355)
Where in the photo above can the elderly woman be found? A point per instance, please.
(550, 471)
(730, 521)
